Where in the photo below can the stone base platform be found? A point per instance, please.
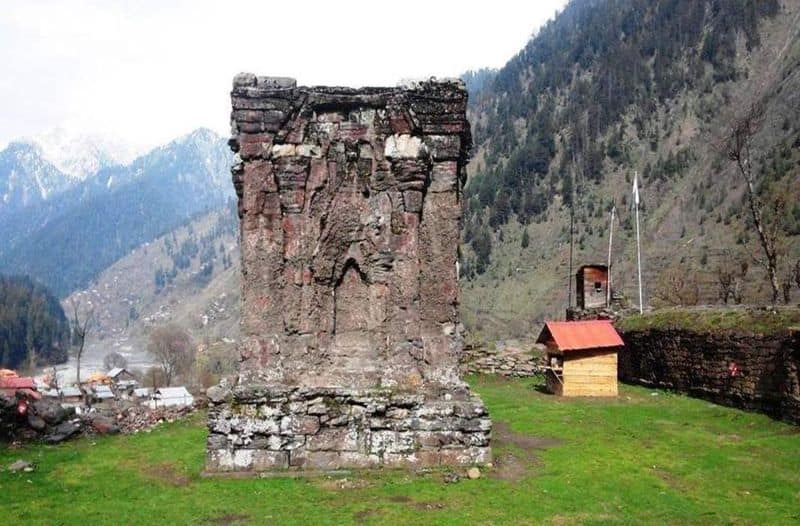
(257, 429)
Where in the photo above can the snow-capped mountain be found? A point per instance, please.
(81, 155)
(27, 178)
(66, 240)
(37, 169)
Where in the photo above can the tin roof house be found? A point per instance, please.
(102, 393)
(171, 397)
(122, 379)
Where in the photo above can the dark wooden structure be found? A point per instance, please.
(591, 286)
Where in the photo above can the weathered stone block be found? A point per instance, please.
(336, 439)
(249, 460)
(443, 147)
(299, 425)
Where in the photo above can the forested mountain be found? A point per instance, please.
(67, 241)
(27, 178)
(33, 326)
(612, 87)
(606, 89)
(36, 170)
(476, 81)
(189, 276)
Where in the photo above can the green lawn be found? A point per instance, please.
(648, 457)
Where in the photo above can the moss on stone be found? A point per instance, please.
(710, 319)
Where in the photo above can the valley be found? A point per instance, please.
(154, 240)
(550, 276)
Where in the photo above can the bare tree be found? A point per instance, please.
(791, 277)
(730, 278)
(52, 379)
(797, 273)
(738, 147)
(172, 348)
(676, 286)
(81, 324)
(114, 359)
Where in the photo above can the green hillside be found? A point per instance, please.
(609, 88)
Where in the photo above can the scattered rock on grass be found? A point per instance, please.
(20, 465)
(62, 432)
(474, 473)
(36, 422)
(51, 411)
(451, 477)
(103, 425)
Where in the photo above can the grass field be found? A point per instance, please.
(647, 457)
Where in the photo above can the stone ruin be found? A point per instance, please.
(350, 204)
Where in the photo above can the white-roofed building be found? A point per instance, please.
(102, 393)
(171, 397)
(142, 392)
(68, 396)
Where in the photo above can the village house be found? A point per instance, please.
(123, 380)
(102, 393)
(581, 357)
(68, 396)
(171, 397)
(142, 393)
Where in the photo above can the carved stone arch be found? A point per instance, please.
(351, 299)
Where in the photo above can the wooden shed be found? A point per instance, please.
(581, 357)
(591, 286)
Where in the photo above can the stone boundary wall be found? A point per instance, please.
(766, 379)
(508, 361)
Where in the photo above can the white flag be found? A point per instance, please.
(636, 189)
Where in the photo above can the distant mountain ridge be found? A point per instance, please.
(67, 239)
(82, 155)
(26, 178)
(36, 169)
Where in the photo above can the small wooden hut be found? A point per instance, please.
(591, 286)
(581, 357)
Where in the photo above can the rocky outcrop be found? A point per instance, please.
(25, 418)
(350, 203)
(749, 371)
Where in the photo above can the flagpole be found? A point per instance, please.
(638, 243)
(569, 279)
(610, 242)
(571, 231)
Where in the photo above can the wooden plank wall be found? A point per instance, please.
(590, 374)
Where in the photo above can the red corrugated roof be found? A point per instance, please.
(580, 335)
(17, 383)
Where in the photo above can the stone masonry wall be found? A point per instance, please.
(265, 429)
(504, 361)
(767, 378)
(350, 208)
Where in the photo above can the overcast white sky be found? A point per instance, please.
(148, 71)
